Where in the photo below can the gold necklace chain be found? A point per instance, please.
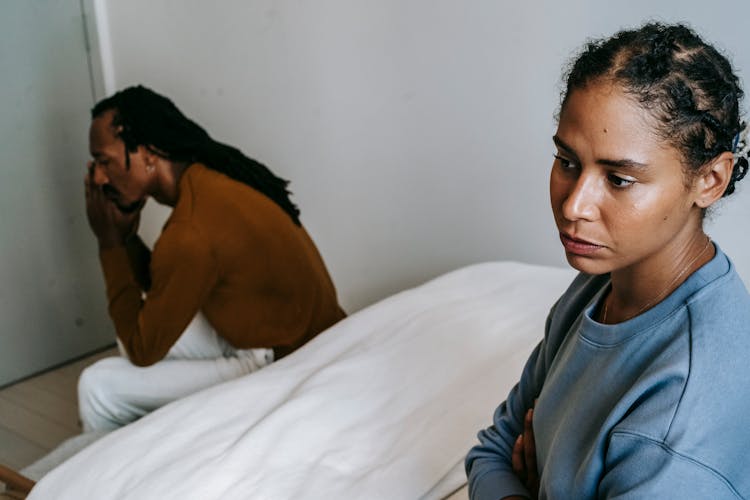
(664, 292)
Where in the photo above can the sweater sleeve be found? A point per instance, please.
(140, 260)
(183, 271)
(488, 465)
(640, 467)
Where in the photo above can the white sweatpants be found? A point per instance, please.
(114, 392)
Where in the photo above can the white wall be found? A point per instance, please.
(52, 301)
(416, 133)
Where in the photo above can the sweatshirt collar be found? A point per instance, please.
(613, 335)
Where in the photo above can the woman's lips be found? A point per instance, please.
(578, 247)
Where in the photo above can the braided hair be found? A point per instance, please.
(148, 119)
(686, 85)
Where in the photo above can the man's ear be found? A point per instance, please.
(712, 179)
(147, 155)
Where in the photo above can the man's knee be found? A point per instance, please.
(98, 388)
(95, 378)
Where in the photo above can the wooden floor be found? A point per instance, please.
(39, 413)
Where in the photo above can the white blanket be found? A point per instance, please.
(384, 405)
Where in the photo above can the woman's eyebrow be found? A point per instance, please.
(619, 163)
(561, 144)
(623, 163)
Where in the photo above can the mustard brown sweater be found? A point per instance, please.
(231, 252)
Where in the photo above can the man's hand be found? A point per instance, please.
(110, 225)
(524, 456)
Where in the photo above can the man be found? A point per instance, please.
(233, 282)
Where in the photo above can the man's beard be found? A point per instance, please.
(113, 195)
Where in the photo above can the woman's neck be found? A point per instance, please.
(638, 288)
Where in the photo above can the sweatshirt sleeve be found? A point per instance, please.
(183, 271)
(640, 467)
(488, 465)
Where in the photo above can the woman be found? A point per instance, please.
(234, 281)
(638, 389)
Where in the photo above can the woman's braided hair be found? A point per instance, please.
(686, 85)
(151, 120)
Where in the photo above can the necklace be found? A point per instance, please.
(664, 292)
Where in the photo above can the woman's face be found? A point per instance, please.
(619, 193)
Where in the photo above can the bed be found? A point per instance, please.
(384, 405)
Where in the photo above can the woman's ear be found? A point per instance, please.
(712, 179)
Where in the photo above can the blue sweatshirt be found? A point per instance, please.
(654, 407)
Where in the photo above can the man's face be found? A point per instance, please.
(126, 187)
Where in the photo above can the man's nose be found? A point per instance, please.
(99, 177)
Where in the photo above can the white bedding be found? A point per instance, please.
(384, 405)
